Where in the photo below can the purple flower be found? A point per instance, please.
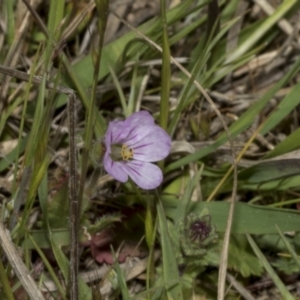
(130, 147)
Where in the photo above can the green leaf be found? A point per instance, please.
(60, 237)
(250, 219)
(113, 51)
(271, 170)
(286, 265)
(241, 257)
(281, 184)
(58, 206)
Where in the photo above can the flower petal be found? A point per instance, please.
(119, 131)
(113, 131)
(155, 146)
(146, 175)
(139, 118)
(137, 134)
(115, 168)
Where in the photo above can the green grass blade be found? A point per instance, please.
(202, 58)
(289, 247)
(60, 288)
(183, 204)
(121, 279)
(281, 184)
(263, 29)
(166, 69)
(61, 259)
(135, 86)
(289, 144)
(270, 170)
(10, 24)
(7, 290)
(283, 109)
(277, 281)
(120, 92)
(56, 14)
(243, 122)
(100, 123)
(36, 126)
(170, 269)
(113, 51)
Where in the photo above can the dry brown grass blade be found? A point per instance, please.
(18, 266)
(36, 80)
(224, 255)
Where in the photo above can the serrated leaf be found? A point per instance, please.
(241, 257)
(286, 265)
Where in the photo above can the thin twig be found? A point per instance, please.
(36, 80)
(37, 18)
(73, 198)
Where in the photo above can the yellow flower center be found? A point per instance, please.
(121, 152)
(127, 153)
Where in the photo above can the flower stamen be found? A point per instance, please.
(127, 153)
